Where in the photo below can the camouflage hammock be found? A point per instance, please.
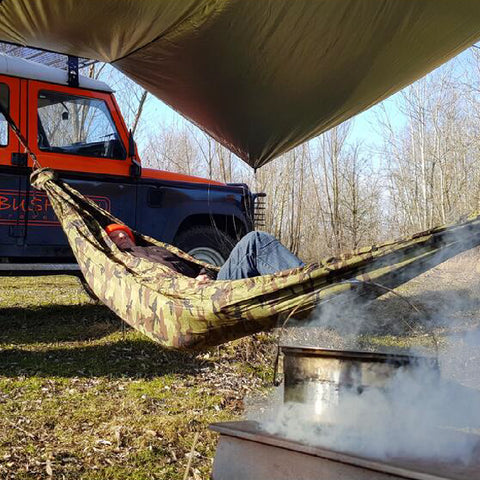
(180, 312)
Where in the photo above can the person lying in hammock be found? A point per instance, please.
(257, 253)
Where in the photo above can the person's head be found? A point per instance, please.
(121, 236)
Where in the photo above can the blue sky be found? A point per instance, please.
(365, 126)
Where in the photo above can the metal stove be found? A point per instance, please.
(245, 452)
(312, 378)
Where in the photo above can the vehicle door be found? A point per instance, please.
(12, 174)
(81, 135)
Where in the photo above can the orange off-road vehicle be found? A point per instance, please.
(79, 131)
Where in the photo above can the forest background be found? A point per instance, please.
(405, 165)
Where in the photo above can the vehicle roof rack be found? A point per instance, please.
(45, 57)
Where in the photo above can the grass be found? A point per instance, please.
(84, 397)
(81, 396)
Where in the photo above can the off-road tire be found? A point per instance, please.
(206, 243)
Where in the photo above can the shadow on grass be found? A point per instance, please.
(47, 336)
(56, 323)
(139, 358)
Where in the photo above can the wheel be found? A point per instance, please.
(206, 243)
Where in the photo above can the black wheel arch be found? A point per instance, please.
(233, 226)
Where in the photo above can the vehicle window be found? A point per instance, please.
(5, 101)
(77, 126)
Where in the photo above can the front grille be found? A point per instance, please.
(259, 207)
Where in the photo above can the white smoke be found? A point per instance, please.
(347, 322)
(421, 413)
(418, 415)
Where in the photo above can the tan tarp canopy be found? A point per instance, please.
(260, 76)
